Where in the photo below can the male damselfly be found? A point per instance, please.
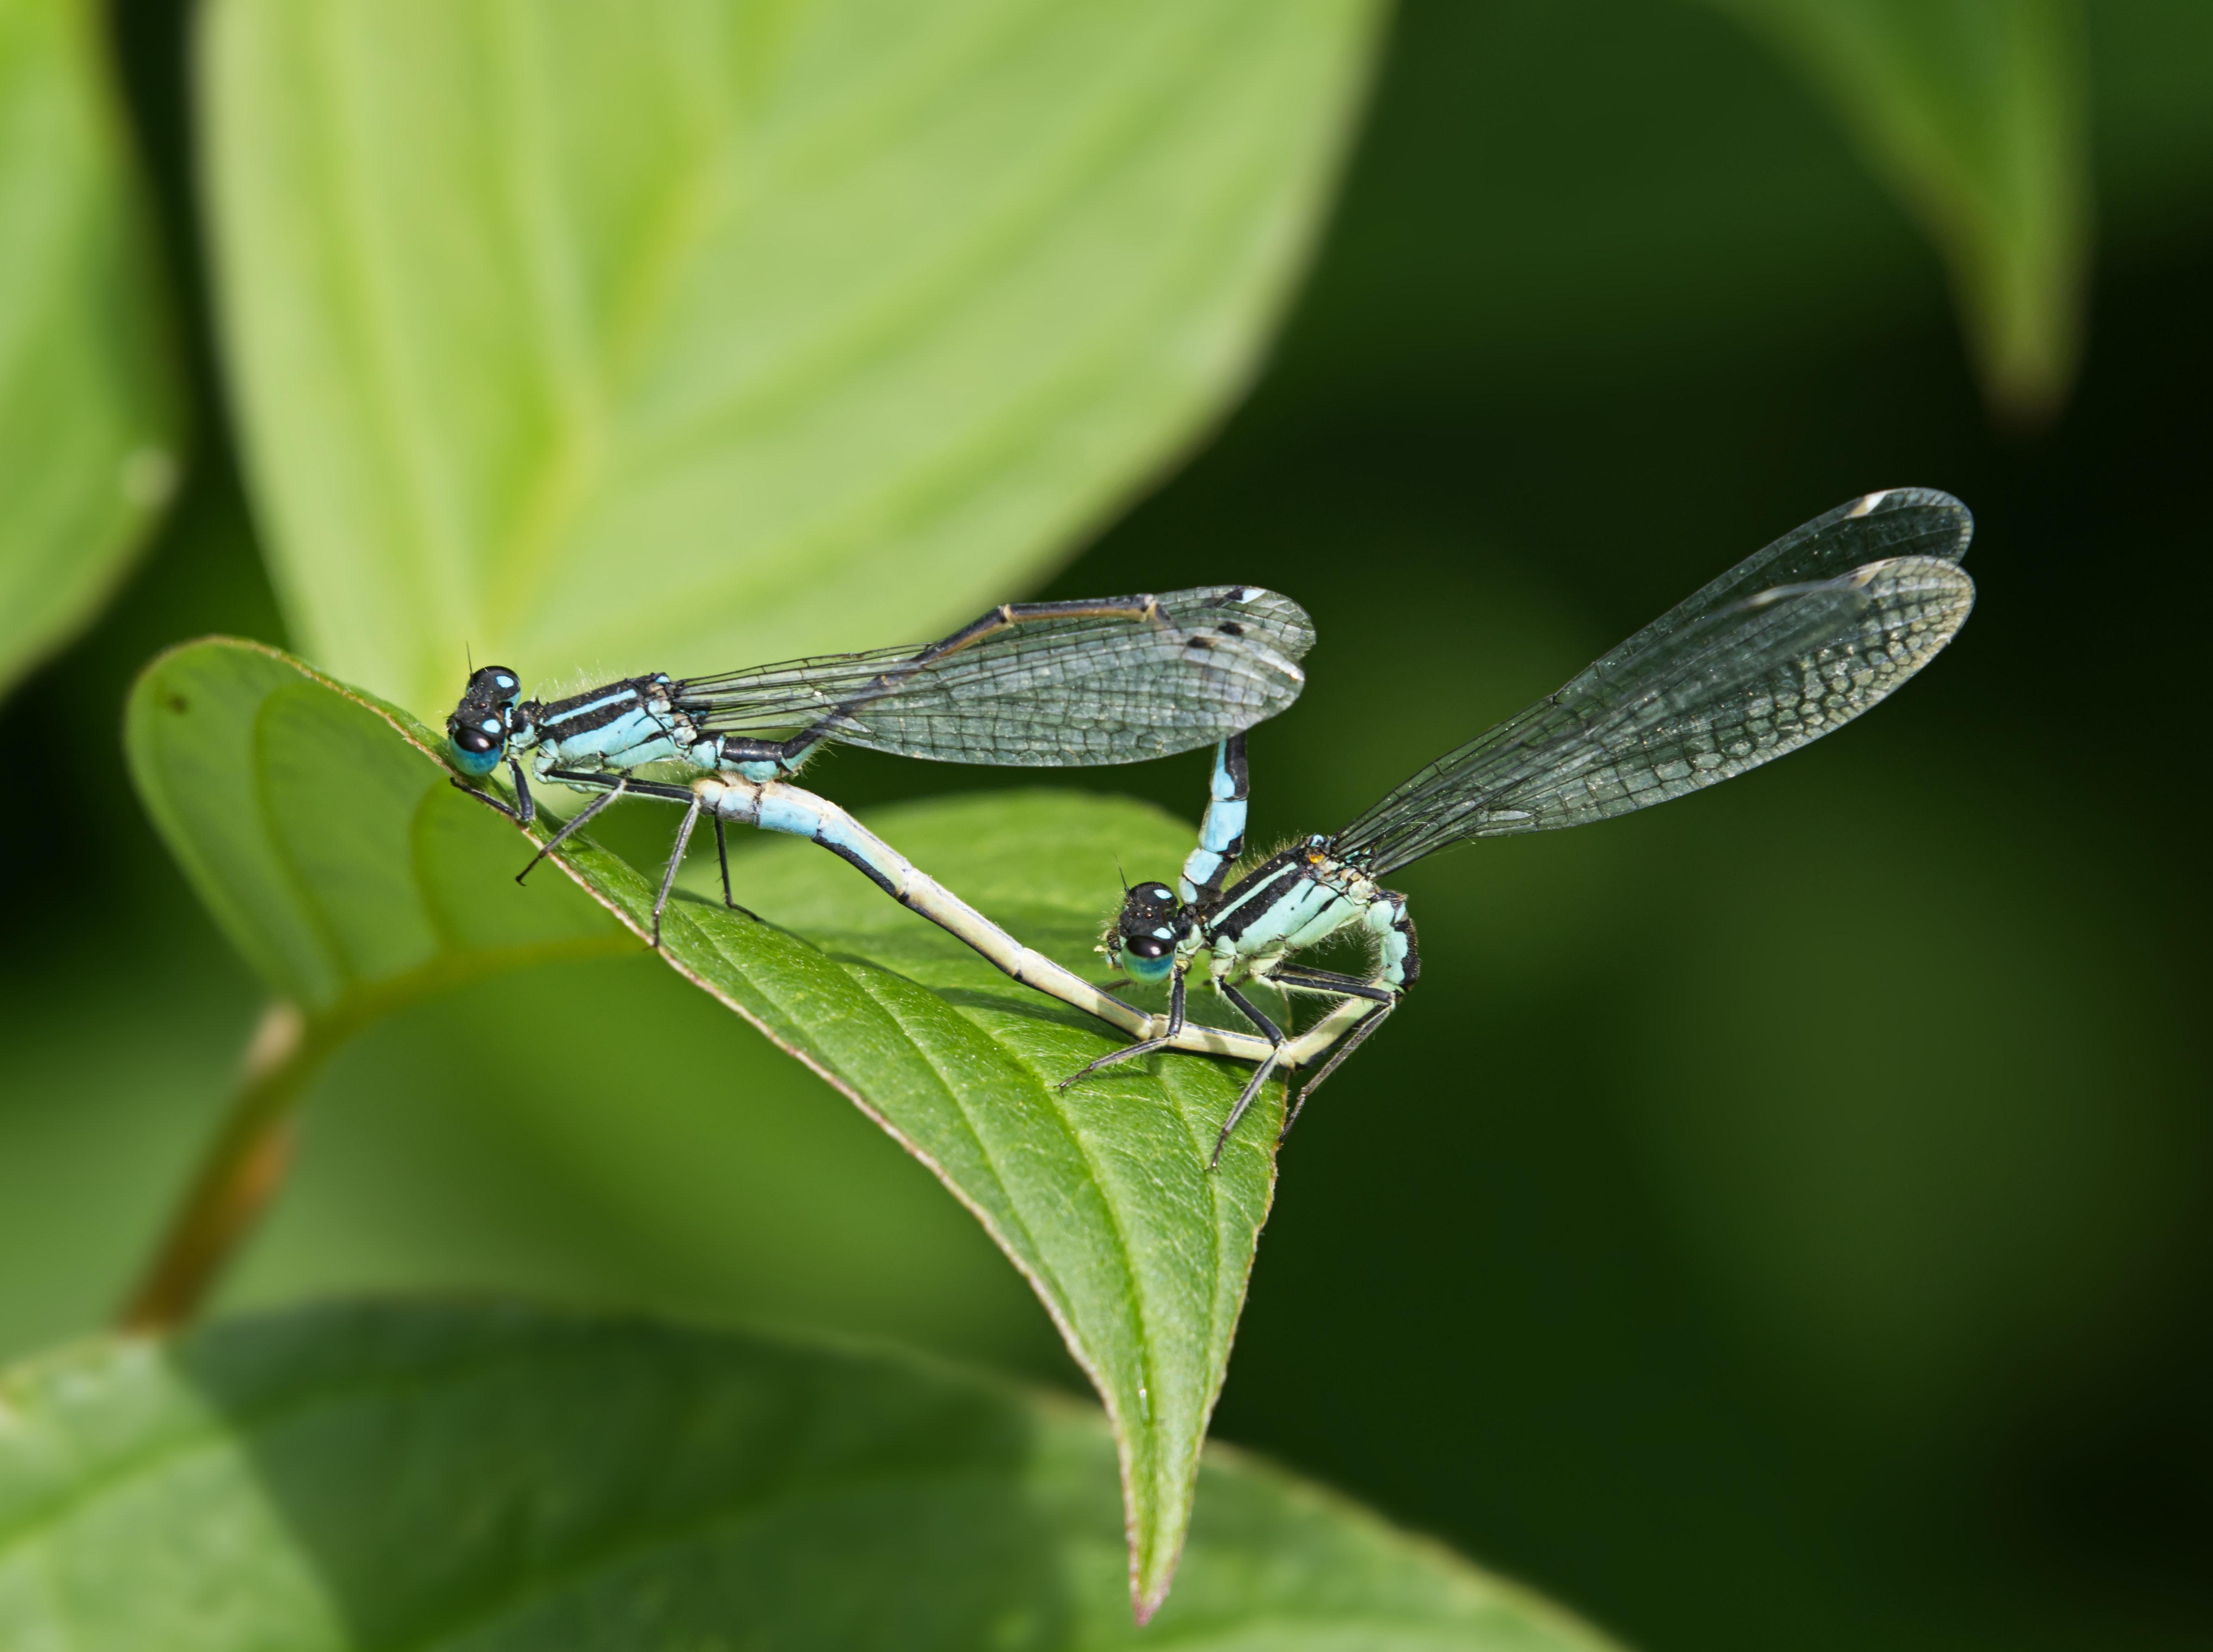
(1118, 679)
(1794, 641)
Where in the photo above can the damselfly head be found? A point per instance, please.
(1142, 942)
(476, 733)
(492, 686)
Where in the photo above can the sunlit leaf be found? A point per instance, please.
(695, 333)
(88, 415)
(1975, 113)
(320, 829)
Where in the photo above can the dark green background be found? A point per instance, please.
(1777, 1219)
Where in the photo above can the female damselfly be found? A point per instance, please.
(1794, 641)
(1118, 679)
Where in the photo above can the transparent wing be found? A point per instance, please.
(1117, 680)
(1873, 528)
(1704, 696)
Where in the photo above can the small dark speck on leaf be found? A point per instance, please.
(180, 704)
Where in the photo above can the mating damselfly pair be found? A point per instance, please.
(1791, 643)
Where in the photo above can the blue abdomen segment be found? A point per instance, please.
(1397, 963)
(786, 808)
(713, 755)
(1222, 830)
(781, 811)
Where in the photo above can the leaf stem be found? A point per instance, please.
(240, 1174)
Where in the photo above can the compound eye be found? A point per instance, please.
(475, 740)
(1145, 946)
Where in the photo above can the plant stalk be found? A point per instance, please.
(236, 1180)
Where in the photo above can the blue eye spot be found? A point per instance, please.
(1148, 970)
(467, 756)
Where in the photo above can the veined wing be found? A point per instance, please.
(1873, 528)
(1117, 680)
(1710, 697)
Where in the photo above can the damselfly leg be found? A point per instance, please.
(723, 859)
(1274, 1034)
(574, 824)
(1143, 1047)
(522, 811)
(1345, 1047)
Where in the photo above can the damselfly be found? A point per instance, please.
(1794, 641)
(1118, 679)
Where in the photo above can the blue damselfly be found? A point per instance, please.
(1116, 680)
(1794, 641)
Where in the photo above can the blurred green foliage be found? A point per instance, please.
(89, 410)
(617, 339)
(1974, 113)
(1780, 1218)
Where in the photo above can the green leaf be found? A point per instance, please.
(697, 332)
(333, 855)
(428, 1475)
(88, 415)
(1977, 115)
(323, 833)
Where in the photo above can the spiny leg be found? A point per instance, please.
(522, 815)
(574, 824)
(675, 860)
(1328, 980)
(1274, 1034)
(1345, 1047)
(722, 854)
(1143, 1047)
(484, 797)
